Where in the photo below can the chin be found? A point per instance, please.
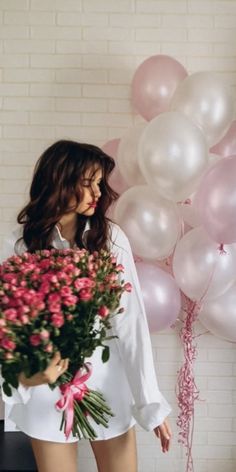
(89, 212)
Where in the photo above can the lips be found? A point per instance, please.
(93, 205)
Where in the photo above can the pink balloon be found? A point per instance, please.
(111, 147)
(227, 145)
(161, 296)
(187, 209)
(216, 201)
(116, 180)
(154, 84)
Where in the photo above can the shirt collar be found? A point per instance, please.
(59, 242)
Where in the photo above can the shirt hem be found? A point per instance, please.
(72, 439)
(123, 431)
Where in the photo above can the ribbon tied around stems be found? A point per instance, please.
(71, 391)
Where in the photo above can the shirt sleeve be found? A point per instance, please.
(8, 248)
(20, 395)
(150, 407)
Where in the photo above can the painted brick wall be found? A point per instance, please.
(65, 71)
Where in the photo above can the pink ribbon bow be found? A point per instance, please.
(74, 390)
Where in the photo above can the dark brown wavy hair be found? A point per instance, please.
(56, 179)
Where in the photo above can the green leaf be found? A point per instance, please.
(7, 389)
(105, 354)
(14, 381)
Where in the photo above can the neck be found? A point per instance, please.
(68, 227)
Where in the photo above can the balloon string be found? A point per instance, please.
(186, 391)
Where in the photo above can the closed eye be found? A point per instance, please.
(89, 182)
(86, 183)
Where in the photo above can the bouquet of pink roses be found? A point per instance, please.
(60, 300)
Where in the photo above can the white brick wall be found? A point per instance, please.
(65, 71)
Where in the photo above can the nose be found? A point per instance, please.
(96, 191)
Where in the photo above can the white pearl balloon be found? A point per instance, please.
(201, 270)
(219, 315)
(151, 223)
(172, 155)
(187, 209)
(188, 212)
(205, 98)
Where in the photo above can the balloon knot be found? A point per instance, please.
(188, 201)
(221, 249)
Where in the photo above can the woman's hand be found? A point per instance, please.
(55, 369)
(163, 432)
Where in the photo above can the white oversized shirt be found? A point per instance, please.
(127, 381)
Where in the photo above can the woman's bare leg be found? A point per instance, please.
(118, 454)
(55, 457)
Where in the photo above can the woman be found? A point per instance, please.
(69, 197)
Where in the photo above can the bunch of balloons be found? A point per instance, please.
(177, 170)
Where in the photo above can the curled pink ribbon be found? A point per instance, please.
(74, 390)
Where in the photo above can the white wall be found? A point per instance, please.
(65, 71)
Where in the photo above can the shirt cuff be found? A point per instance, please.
(152, 415)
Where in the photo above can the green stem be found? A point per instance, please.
(82, 421)
(98, 395)
(100, 411)
(62, 421)
(75, 431)
(90, 405)
(78, 425)
(102, 406)
(95, 414)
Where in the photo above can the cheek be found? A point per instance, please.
(86, 196)
(72, 202)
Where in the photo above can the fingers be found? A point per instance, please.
(55, 359)
(168, 429)
(62, 365)
(163, 432)
(56, 368)
(165, 438)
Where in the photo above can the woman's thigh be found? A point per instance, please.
(55, 457)
(116, 454)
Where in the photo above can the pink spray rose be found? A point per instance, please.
(128, 287)
(85, 295)
(8, 344)
(103, 311)
(57, 320)
(35, 339)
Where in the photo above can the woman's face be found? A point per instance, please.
(90, 189)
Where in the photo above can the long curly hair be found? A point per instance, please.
(56, 179)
